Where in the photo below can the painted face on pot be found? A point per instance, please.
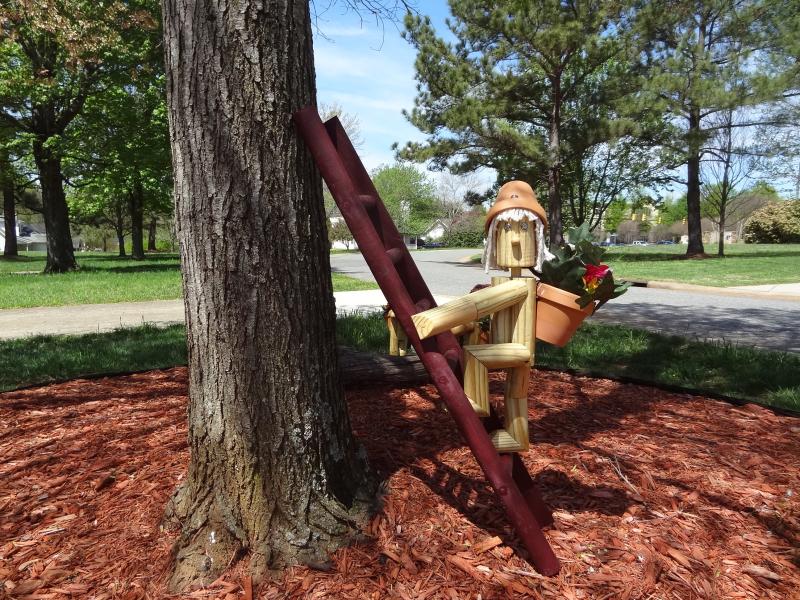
(515, 243)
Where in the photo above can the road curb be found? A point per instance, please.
(707, 289)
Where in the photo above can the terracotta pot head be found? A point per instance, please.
(514, 225)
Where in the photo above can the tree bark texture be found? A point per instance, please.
(151, 234)
(9, 215)
(119, 227)
(136, 209)
(693, 217)
(555, 223)
(365, 369)
(60, 254)
(274, 469)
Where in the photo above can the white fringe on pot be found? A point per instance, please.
(489, 260)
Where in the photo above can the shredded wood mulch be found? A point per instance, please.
(656, 495)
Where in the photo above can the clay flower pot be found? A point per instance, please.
(558, 316)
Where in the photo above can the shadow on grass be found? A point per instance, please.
(635, 257)
(716, 368)
(143, 267)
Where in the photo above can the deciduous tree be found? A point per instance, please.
(274, 468)
(53, 57)
(704, 58)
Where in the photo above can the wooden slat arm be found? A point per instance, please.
(469, 308)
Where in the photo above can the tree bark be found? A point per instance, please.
(693, 217)
(274, 468)
(554, 170)
(9, 214)
(119, 228)
(60, 254)
(136, 209)
(151, 234)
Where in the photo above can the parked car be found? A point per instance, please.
(666, 243)
(639, 243)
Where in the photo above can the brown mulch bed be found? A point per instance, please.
(656, 495)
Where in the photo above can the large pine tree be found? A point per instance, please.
(527, 87)
(703, 58)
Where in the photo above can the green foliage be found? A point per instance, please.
(673, 211)
(701, 59)
(340, 232)
(617, 212)
(467, 231)
(776, 223)
(577, 268)
(537, 92)
(409, 196)
(463, 238)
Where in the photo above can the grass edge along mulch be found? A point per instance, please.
(599, 350)
(655, 495)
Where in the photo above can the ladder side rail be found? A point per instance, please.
(354, 213)
(407, 268)
(495, 468)
(438, 364)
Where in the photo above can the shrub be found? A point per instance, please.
(465, 231)
(463, 239)
(775, 223)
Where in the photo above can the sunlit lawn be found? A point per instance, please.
(104, 278)
(743, 264)
(597, 349)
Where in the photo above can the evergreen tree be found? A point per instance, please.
(705, 57)
(528, 88)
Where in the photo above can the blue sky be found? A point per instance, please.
(368, 69)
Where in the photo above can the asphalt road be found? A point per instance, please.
(753, 321)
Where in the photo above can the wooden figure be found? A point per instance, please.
(515, 241)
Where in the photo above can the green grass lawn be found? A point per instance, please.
(743, 264)
(769, 378)
(105, 278)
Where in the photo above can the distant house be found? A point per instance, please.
(29, 237)
(437, 229)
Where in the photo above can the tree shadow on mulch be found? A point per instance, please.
(426, 443)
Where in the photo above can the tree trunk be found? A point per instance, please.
(136, 209)
(60, 254)
(693, 217)
(554, 170)
(119, 227)
(721, 240)
(274, 468)
(151, 234)
(9, 214)
(121, 245)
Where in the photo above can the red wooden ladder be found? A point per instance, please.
(396, 273)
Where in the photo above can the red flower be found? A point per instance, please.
(596, 271)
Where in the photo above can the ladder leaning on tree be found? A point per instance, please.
(396, 273)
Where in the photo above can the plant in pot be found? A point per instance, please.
(572, 285)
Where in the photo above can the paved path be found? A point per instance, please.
(761, 316)
(766, 318)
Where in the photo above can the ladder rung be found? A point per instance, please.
(395, 255)
(367, 200)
